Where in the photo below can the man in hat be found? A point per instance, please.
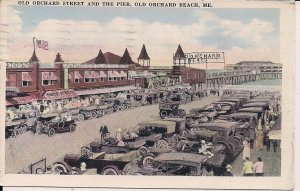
(103, 132)
(228, 170)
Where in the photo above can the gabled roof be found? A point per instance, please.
(100, 59)
(126, 59)
(58, 58)
(34, 58)
(143, 55)
(179, 52)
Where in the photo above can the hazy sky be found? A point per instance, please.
(79, 33)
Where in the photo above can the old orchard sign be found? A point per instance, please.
(204, 57)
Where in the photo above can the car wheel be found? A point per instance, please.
(13, 134)
(162, 144)
(24, 128)
(51, 132)
(163, 114)
(59, 168)
(148, 161)
(72, 127)
(172, 141)
(93, 115)
(101, 113)
(142, 151)
(39, 171)
(80, 117)
(111, 170)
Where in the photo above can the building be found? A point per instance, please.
(266, 69)
(106, 73)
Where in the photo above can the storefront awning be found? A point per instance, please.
(77, 75)
(117, 74)
(49, 76)
(88, 74)
(59, 94)
(105, 90)
(26, 76)
(95, 74)
(123, 74)
(102, 74)
(23, 100)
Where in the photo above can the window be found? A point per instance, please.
(76, 81)
(102, 79)
(46, 82)
(122, 78)
(89, 80)
(25, 83)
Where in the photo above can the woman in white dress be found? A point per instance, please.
(246, 151)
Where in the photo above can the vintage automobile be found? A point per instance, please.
(265, 105)
(218, 132)
(209, 111)
(226, 103)
(171, 110)
(95, 111)
(53, 123)
(258, 110)
(248, 122)
(174, 164)
(239, 102)
(160, 133)
(106, 164)
(179, 97)
(23, 121)
(110, 146)
(259, 100)
(194, 119)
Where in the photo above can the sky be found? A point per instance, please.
(79, 33)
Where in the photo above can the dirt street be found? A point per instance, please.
(28, 148)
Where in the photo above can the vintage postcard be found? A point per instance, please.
(147, 94)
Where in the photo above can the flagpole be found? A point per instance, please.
(33, 44)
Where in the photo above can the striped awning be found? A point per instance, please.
(49, 76)
(26, 76)
(123, 74)
(91, 74)
(77, 75)
(111, 74)
(102, 74)
(95, 74)
(24, 100)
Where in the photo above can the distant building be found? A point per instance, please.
(266, 69)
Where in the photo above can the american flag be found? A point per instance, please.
(42, 44)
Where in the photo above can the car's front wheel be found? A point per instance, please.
(110, 170)
(51, 132)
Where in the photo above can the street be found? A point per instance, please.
(28, 148)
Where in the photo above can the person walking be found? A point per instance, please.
(228, 170)
(248, 167)
(260, 138)
(252, 137)
(246, 150)
(103, 132)
(259, 167)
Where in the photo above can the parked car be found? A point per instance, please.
(105, 164)
(171, 110)
(177, 163)
(258, 110)
(54, 123)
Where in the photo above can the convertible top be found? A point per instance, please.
(181, 158)
(169, 125)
